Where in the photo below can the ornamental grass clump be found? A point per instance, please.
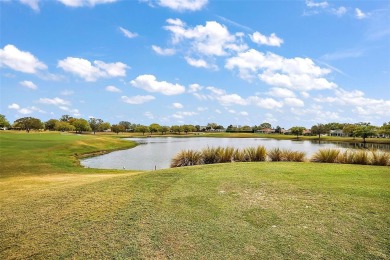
(186, 158)
(225, 155)
(240, 156)
(255, 154)
(293, 156)
(326, 156)
(275, 155)
(209, 155)
(380, 158)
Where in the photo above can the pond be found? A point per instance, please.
(157, 152)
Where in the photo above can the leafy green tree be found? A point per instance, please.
(142, 129)
(278, 130)
(95, 124)
(187, 128)
(29, 123)
(126, 124)
(4, 122)
(364, 130)
(349, 129)
(297, 130)
(265, 125)
(385, 129)
(118, 128)
(104, 126)
(65, 118)
(211, 126)
(63, 126)
(165, 129)
(176, 129)
(81, 125)
(318, 129)
(197, 128)
(50, 124)
(154, 128)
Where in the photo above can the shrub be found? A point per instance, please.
(186, 158)
(225, 154)
(255, 154)
(240, 156)
(326, 156)
(293, 156)
(380, 158)
(275, 155)
(210, 155)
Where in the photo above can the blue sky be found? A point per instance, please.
(196, 61)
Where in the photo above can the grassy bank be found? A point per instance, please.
(51, 153)
(264, 210)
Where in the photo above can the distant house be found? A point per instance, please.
(336, 132)
(266, 131)
(306, 132)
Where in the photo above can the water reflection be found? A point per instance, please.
(157, 152)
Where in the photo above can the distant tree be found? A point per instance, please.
(385, 129)
(118, 128)
(126, 124)
(50, 124)
(334, 126)
(63, 126)
(364, 130)
(142, 129)
(104, 126)
(211, 126)
(278, 130)
(81, 125)
(29, 123)
(349, 129)
(197, 127)
(95, 124)
(154, 128)
(297, 130)
(65, 118)
(176, 129)
(265, 125)
(187, 128)
(318, 129)
(246, 128)
(165, 129)
(220, 127)
(4, 122)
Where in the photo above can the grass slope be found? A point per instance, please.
(230, 211)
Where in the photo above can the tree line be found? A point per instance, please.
(79, 125)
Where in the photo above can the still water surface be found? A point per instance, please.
(157, 152)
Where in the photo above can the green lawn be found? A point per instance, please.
(51, 208)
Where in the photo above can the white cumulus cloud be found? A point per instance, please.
(14, 106)
(54, 101)
(33, 4)
(359, 14)
(91, 72)
(28, 84)
(113, 89)
(150, 84)
(295, 73)
(294, 102)
(177, 105)
(136, 100)
(163, 52)
(183, 5)
(18, 60)
(271, 40)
